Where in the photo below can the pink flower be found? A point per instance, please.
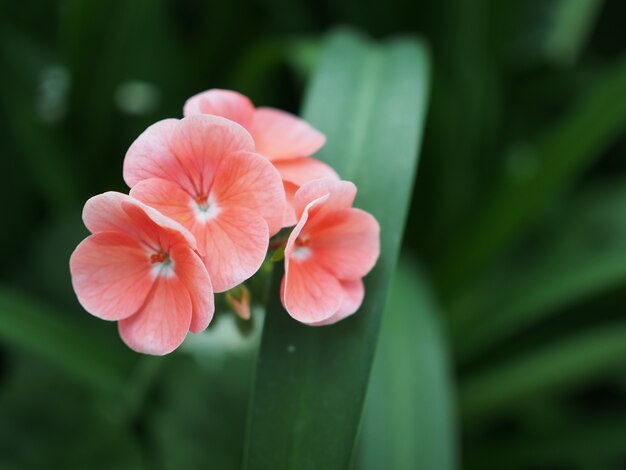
(283, 138)
(202, 172)
(141, 269)
(328, 252)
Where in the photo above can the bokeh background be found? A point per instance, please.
(518, 223)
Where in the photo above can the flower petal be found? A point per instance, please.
(309, 293)
(280, 135)
(166, 197)
(290, 247)
(235, 242)
(354, 292)
(156, 226)
(346, 242)
(161, 325)
(111, 275)
(104, 213)
(340, 195)
(191, 271)
(250, 182)
(289, 215)
(295, 173)
(201, 142)
(117, 212)
(225, 103)
(303, 170)
(151, 156)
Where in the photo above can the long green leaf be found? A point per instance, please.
(555, 366)
(409, 420)
(35, 328)
(572, 25)
(555, 31)
(370, 101)
(557, 161)
(584, 253)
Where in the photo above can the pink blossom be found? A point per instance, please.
(202, 172)
(286, 140)
(141, 269)
(330, 249)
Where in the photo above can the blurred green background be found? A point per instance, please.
(515, 243)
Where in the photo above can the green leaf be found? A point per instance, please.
(559, 365)
(572, 25)
(35, 328)
(555, 31)
(409, 418)
(583, 253)
(42, 412)
(552, 166)
(370, 101)
(278, 255)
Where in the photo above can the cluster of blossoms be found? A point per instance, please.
(208, 191)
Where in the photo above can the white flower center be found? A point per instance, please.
(205, 208)
(301, 253)
(162, 264)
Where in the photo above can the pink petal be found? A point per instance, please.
(111, 275)
(117, 212)
(279, 135)
(151, 156)
(295, 173)
(201, 142)
(193, 274)
(104, 213)
(163, 322)
(290, 247)
(303, 170)
(346, 242)
(340, 195)
(225, 103)
(166, 197)
(309, 292)
(235, 242)
(289, 216)
(354, 291)
(248, 181)
(156, 226)
(169, 199)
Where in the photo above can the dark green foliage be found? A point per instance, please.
(511, 338)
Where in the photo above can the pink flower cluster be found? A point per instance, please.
(207, 193)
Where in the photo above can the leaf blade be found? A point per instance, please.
(291, 424)
(31, 326)
(409, 419)
(557, 365)
(559, 159)
(583, 253)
